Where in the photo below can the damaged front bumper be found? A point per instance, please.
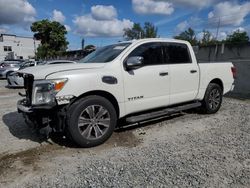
(23, 107)
(42, 116)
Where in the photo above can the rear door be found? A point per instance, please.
(148, 86)
(184, 73)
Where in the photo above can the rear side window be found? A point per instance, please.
(177, 53)
(152, 53)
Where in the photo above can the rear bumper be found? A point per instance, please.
(228, 88)
(232, 87)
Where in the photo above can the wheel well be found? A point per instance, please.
(219, 82)
(104, 94)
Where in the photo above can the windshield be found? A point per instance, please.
(105, 54)
(27, 64)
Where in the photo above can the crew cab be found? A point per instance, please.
(132, 81)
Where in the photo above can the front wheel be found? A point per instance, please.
(91, 121)
(212, 99)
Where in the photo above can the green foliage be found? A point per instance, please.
(138, 32)
(150, 31)
(207, 39)
(188, 35)
(134, 33)
(237, 37)
(52, 36)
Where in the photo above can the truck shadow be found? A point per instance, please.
(19, 129)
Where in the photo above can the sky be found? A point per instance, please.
(103, 22)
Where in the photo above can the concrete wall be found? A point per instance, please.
(24, 47)
(240, 56)
(242, 82)
(224, 52)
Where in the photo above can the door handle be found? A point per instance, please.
(193, 71)
(163, 73)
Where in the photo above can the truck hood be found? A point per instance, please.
(42, 71)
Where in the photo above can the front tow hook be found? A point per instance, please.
(22, 95)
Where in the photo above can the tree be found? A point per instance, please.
(150, 31)
(207, 38)
(188, 35)
(134, 33)
(52, 36)
(237, 37)
(137, 32)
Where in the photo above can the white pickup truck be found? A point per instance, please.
(133, 81)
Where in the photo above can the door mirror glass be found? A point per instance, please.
(134, 62)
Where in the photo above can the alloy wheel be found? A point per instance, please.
(94, 122)
(214, 99)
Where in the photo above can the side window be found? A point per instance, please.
(177, 53)
(151, 53)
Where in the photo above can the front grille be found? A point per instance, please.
(28, 85)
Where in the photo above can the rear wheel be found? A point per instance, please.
(212, 99)
(91, 121)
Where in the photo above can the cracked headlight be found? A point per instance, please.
(44, 91)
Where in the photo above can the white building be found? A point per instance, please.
(17, 47)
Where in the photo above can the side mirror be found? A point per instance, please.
(134, 62)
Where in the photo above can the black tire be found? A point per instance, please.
(212, 99)
(84, 123)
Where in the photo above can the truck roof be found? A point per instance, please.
(157, 40)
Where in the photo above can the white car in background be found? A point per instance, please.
(15, 81)
(9, 66)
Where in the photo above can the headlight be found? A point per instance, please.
(44, 91)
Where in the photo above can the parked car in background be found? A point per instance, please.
(14, 80)
(9, 66)
(57, 62)
(30, 64)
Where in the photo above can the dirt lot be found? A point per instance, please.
(185, 150)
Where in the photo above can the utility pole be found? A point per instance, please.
(140, 35)
(83, 42)
(218, 28)
(217, 33)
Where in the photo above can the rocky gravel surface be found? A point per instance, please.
(14, 134)
(184, 150)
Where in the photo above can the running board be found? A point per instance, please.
(159, 113)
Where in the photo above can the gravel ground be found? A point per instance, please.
(14, 134)
(185, 150)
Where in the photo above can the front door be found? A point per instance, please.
(147, 87)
